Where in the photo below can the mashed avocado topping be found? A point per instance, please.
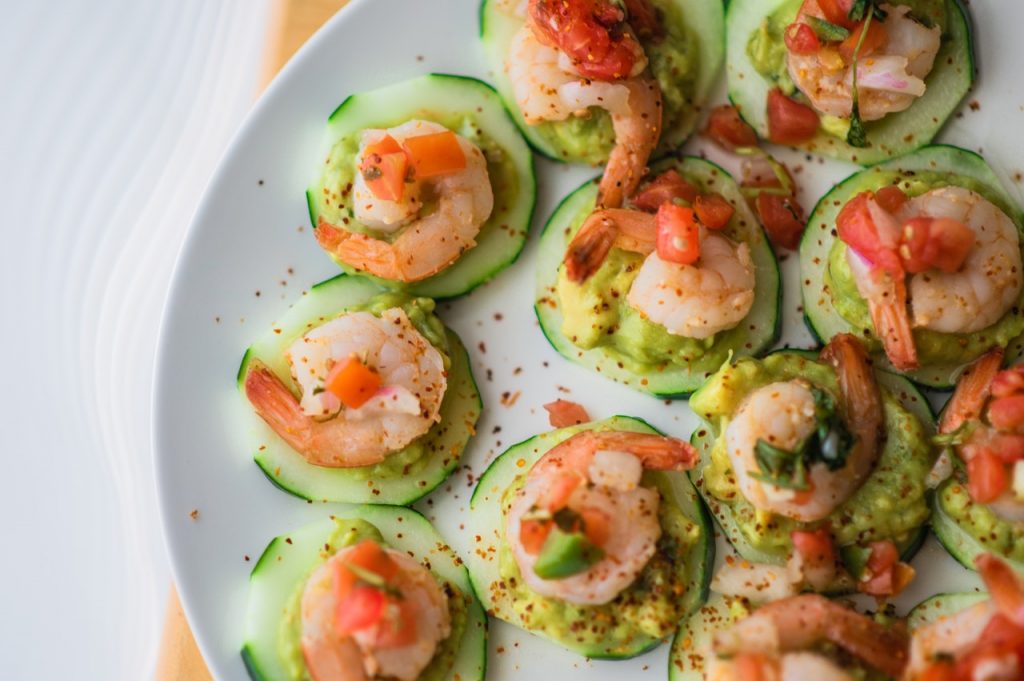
(890, 504)
(347, 533)
(994, 534)
(675, 63)
(933, 347)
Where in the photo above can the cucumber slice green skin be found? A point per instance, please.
(289, 559)
(703, 439)
(503, 236)
(706, 19)
(485, 521)
(956, 540)
(289, 471)
(675, 382)
(686, 661)
(942, 605)
(893, 136)
(820, 315)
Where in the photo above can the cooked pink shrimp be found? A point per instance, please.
(777, 639)
(594, 477)
(319, 427)
(388, 630)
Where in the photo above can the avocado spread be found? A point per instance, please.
(933, 347)
(980, 522)
(890, 504)
(674, 61)
(347, 533)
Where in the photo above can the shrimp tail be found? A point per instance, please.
(1004, 585)
(276, 405)
(971, 391)
(364, 253)
(892, 324)
(860, 401)
(636, 136)
(631, 230)
(656, 452)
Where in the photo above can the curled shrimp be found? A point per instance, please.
(367, 653)
(597, 474)
(696, 301)
(783, 414)
(889, 78)
(318, 427)
(636, 135)
(425, 244)
(774, 632)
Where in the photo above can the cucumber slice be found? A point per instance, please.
(821, 315)
(289, 559)
(704, 437)
(942, 605)
(382, 483)
(686, 660)
(894, 135)
(485, 522)
(961, 544)
(470, 108)
(754, 335)
(704, 21)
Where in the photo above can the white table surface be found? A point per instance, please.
(113, 116)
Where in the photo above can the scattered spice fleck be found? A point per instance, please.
(508, 399)
(194, 515)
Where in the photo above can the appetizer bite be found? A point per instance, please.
(980, 505)
(362, 396)
(373, 592)
(968, 636)
(800, 638)
(814, 467)
(920, 257)
(426, 186)
(598, 81)
(591, 537)
(657, 294)
(858, 80)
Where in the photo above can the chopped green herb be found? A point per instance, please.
(826, 30)
(855, 558)
(373, 579)
(860, 8)
(780, 467)
(567, 519)
(858, 137)
(959, 436)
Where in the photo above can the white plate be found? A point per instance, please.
(250, 252)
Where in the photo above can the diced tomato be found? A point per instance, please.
(1008, 446)
(801, 39)
(987, 478)
(857, 229)
(728, 129)
(678, 234)
(804, 496)
(815, 547)
(533, 534)
(367, 555)
(590, 32)
(752, 667)
(782, 218)
(890, 198)
(363, 607)
(937, 671)
(665, 188)
(880, 567)
(789, 121)
(713, 211)
(1008, 382)
(352, 382)
(384, 167)
(597, 526)
(435, 154)
(875, 39)
(1000, 642)
(1007, 413)
(838, 12)
(935, 242)
(399, 628)
(561, 487)
(563, 413)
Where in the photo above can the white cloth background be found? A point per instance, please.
(113, 114)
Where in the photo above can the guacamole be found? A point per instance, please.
(891, 503)
(650, 608)
(675, 63)
(933, 347)
(347, 533)
(992, 533)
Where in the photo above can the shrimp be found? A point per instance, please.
(597, 475)
(777, 630)
(408, 403)
(784, 415)
(427, 243)
(367, 653)
(889, 78)
(561, 63)
(696, 301)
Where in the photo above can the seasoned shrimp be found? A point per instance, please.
(594, 476)
(768, 638)
(426, 244)
(785, 415)
(569, 57)
(890, 77)
(404, 407)
(696, 301)
(399, 644)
